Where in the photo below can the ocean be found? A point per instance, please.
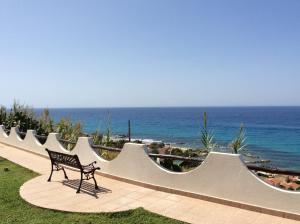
(272, 133)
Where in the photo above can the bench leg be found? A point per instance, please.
(78, 190)
(66, 177)
(96, 185)
(49, 179)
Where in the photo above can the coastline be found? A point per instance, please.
(272, 132)
(268, 157)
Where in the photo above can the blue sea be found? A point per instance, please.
(272, 132)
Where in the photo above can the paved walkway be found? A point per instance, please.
(118, 196)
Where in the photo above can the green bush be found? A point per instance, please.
(239, 143)
(137, 141)
(156, 145)
(2, 115)
(97, 138)
(46, 124)
(108, 155)
(24, 118)
(115, 143)
(207, 137)
(21, 116)
(69, 131)
(169, 164)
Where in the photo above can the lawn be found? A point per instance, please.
(13, 209)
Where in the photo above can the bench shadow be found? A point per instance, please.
(86, 187)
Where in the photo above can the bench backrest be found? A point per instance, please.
(65, 159)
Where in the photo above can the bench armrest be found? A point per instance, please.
(90, 165)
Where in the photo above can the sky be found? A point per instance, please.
(150, 53)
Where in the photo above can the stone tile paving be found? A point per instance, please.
(119, 196)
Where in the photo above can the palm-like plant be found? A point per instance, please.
(207, 136)
(239, 143)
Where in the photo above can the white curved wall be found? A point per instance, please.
(222, 176)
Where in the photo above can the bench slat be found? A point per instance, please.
(68, 160)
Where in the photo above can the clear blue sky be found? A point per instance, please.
(150, 53)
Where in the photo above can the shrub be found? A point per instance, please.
(21, 116)
(238, 143)
(108, 155)
(2, 115)
(25, 118)
(191, 153)
(168, 164)
(116, 144)
(97, 138)
(156, 145)
(137, 141)
(207, 136)
(69, 131)
(46, 124)
(174, 151)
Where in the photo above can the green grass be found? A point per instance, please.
(13, 209)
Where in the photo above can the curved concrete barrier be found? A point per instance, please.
(221, 176)
(86, 153)
(3, 134)
(54, 144)
(14, 138)
(31, 143)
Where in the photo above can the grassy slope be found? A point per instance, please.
(13, 209)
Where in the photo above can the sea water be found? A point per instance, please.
(272, 132)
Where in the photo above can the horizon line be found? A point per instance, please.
(117, 107)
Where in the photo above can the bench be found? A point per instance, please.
(59, 160)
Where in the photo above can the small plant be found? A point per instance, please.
(108, 155)
(175, 151)
(46, 124)
(107, 139)
(238, 144)
(69, 131)
(25, 118)
(191, 153)
(138, 141)
(97, 138)
(2, 115)
(21, 116)
(156, 145)
(207, 136)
